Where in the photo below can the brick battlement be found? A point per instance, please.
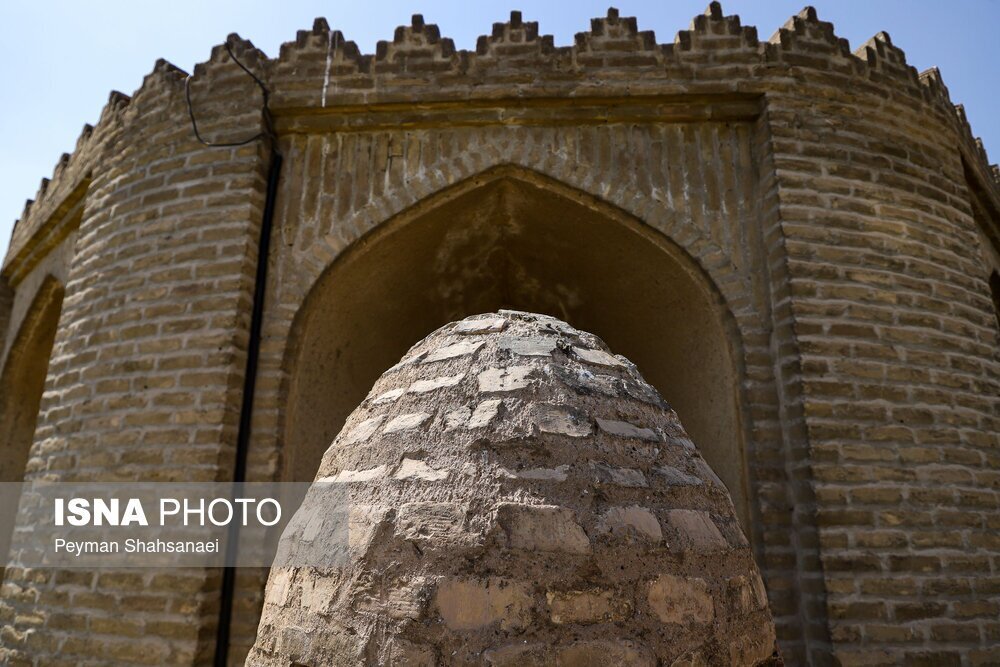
(322, 69)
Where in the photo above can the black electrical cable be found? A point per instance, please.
(265, 110)
(228, 589)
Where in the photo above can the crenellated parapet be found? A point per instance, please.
(717, 55)
(974, 144)
(54, 210)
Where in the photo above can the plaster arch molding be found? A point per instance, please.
(509, 237)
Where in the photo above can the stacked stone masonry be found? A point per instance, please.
(831, 209)
(516, 495)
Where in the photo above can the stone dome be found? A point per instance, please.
(519, 495)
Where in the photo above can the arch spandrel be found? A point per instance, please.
(348, 193)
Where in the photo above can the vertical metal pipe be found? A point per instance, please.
(246, 409)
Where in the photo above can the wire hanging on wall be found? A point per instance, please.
(268, 132)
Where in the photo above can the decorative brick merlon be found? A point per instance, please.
(321, 68)
(417, 47)
(934, 86)
(514, 37)
(42, 187)
(713, 33)
(25, 212)
(714, 22)
(806, 41)
(117, 102)
(62, 166)
(163, 66)
(884, 57)
(323, 51)
(615, 41)
(84, 137)
(248, 54)
(615, 33)
(974, 142)
(164, 75)
(111, 114)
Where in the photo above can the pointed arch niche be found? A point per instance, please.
(22, 382)
(23, 379)
(515, 239)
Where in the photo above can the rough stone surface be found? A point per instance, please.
(548, 548)
(681, 600)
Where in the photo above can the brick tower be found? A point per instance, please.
(794, 242)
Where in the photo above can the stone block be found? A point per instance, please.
(635, 522)
(388, 396)
(472, 604)
(430, 521)
(596, 653)
(598, 357)
(557, 474)
(752, 649)
(521, 654)
(403, 599)
(442, 382)
(452, 351)
(416, 469)
(623, 429)
(481, 326)
(505, 379)
(672, 476)
(694, 530)
(349, 476)
(542, 528)
(561, 420)
(529, 346)
(364, 430)
(594, 606)
(406, 422)
(681, 600)
(484, 413)
(607, 474)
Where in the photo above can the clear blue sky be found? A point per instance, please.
(60, 59)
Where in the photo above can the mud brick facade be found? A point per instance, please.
(796, 243)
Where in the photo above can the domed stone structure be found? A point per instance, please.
(520, 496)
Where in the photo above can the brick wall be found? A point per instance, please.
(146, 371)
(856, 283)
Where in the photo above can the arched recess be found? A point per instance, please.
(512, 238)
(21, 383)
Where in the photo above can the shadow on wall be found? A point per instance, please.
(995, 293)
(521, 242)
(21, 385)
